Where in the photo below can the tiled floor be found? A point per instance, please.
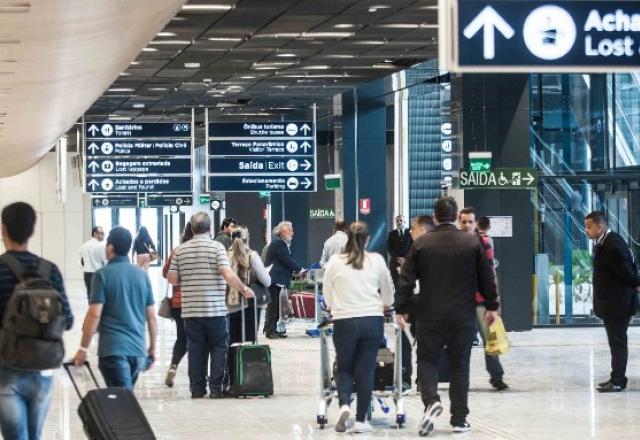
(551, 374)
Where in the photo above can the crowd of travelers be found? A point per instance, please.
(440, 279)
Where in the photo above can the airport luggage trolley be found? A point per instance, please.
(294, 301)
(380, 398)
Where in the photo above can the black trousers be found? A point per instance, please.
(87, 283)
(618, 344)
(180, 346)
(457, 336)
(273, 310)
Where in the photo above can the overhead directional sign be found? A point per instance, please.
(499, 178)
(139, 184)
(262, 156)
(150, 147)
(160, 200)
(539, 36)
(137, 166)
(119, 201)
(129, 130)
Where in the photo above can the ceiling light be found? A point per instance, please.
(384, 65)
(207, 7)
(149, 49)
(378, 7)
(120, 89)
(135, 63)
(225, 39)
(158, 89)
(370, 42)
(428, 26)
(399, 26)
(166, 34)
(138, 105)
(175, 42)
(248, 77)
(344, 26)
(125, 74)
(119, 118)
(278, 35)
(341, 56)
(286, 55)
(192, 65)
(317, 67)
(432, 7)
(327, 34)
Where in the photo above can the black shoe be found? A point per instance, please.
(198, 395)
(272, 335)
(610, 388)
(460, 427)
(282, 335)
(604, 384)
(218, 395)
(499, 384)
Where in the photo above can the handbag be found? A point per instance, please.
(497, 341)
(263, 297)
(164, 309)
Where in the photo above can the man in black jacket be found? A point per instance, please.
(279, 255)
(398, 244)
(615, 283)
(451, 266)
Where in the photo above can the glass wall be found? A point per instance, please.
(585, 133)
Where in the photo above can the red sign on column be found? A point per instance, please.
(365, 206)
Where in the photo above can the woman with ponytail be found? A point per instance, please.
(357, 288)
(248, 265)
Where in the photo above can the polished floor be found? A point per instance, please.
(551, 373)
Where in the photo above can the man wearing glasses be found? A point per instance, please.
(93, 255)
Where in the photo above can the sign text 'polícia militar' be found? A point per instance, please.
(129, 130)
(565, 35)
(138, 148)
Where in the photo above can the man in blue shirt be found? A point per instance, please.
(121, 303)
(24, 395)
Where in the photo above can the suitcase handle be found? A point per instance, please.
(67, 366)
(243, 301)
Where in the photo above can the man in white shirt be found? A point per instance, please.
(93, 255)
(336, 243)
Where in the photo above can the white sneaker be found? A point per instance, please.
(341, 424)
(461, 427)
(430, 414)
(361, 427)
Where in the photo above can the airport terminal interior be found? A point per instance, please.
(144, 113)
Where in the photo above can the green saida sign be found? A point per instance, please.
(319, 214)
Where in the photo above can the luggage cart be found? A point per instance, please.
(290, 302)
(328, 390)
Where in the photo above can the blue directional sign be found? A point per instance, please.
(262, 156)
(136, 166)
(119, 201)
(161, 200)
(129, 130)
(539, 36)
(151, 147)
(139, 184)
(274, 183)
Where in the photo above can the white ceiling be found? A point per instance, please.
(56, 58)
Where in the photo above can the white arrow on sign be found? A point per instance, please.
(93, 130)
(307, 183)
(529, 179)
(93, 184)
(306, 165)
(93, 148)
(96, 202)
(93, 166)
(306, 129)
(488, 20)
(305, 146)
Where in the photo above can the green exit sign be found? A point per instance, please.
(205, 199)
(480, 161)
(332, 181)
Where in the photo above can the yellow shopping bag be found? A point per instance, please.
(497, 341)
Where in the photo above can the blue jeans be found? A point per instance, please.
(357, 341)
(207, 342)
(121, 371)
(24, 402)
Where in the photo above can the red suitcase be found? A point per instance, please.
(304, 305)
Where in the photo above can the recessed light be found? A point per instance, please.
(384, 65)
(119, 118)
(428, 26)
(378, 7)
(278, 35)
(399, 26)
(149, 49)
(173, 42)
(125, 74)
(286, 55)
(166, 34)
(248, 77)
(370, 42)
(341, 56)
(344, 26)
(327, 34)
(138, 105)
(432, 7)
(135, 63)
(120, 89)
(317, 67)
(235, 39)
(192, 65)
(192, 7)
(158, 89)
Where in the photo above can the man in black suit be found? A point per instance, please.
(284, 266)
(615, 283)
(398, 244)
(451, 266)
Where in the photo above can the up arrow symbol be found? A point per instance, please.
(93, 148)
(306, 129)
(488, 20)
(93, 130)
(93, 166)
(305, 146)
(93, 184)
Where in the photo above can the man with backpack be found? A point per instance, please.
(35, 312)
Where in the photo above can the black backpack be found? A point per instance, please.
(34, 320)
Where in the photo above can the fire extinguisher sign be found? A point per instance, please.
(365, 206)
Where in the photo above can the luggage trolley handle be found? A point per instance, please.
(67, 366)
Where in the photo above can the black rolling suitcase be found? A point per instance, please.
(250, 372)
(383, 375)
(111, 413)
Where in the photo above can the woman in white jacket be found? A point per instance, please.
(357, 288)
